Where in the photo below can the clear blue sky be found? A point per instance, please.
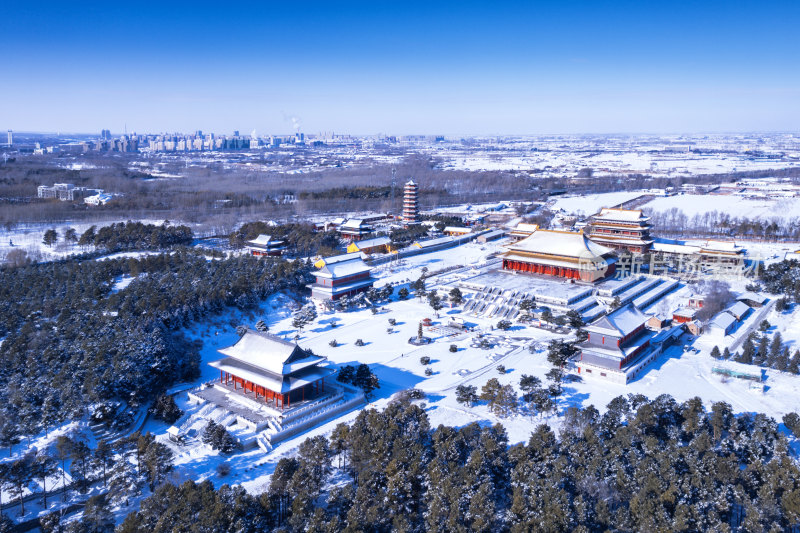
(401, 67)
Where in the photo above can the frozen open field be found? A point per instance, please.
(591, 204)
(735, 206)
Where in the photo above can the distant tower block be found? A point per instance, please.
(410, 202)
(10, 137)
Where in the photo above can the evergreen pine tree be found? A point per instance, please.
(43, 467)
(97, 517)
(157, 462)
(762, 352)
(210, 432)
(81, 465)
(775, 348)
(748, 352)
(466, 394)
(63, 450)
(782, 362)
(103, 459)
(50, 237)
(456, 297)
(490, 392)
(18, 475)
(794, 363)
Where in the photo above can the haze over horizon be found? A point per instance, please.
(450, 68)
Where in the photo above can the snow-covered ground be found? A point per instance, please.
(736, 206)
(521, 350)
(397, 363)
(28, 237)
(590, 204)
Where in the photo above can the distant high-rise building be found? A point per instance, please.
(235, 133)
(105, 135)
(10, 137)
(410, 202)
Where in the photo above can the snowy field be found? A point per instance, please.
(736, 206)
(591, 204)
(603, 160)
(28, 237)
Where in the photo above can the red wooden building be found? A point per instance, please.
(265, 245)
(272, 370)
(563, 254)
(622, 229)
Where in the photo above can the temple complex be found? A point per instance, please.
(563, 254)
(270, 369)
(621, 229)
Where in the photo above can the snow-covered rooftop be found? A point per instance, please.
(524, 227)
(339, 258)
(753, 297)
(721, 246)
(263, 240)
(265, 351)
(614, 213)
(561, 243)
(343, 269)
(433, 242)
(621, 322)
(723, 320)
(674, 247)
(686, 312)
(738, 309)
(371, 243)
(457, 229)
(354, 223)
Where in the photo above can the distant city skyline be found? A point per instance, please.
(362, 68)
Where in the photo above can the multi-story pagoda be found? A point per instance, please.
(563, 254)
(410, 203)
(621, 229)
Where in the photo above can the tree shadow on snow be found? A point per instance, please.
(570, 397)
(391, 379)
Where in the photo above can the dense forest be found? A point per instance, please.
(137, 236)
(642, 465)
(70, 340)
(299, 238)
(782, 278)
